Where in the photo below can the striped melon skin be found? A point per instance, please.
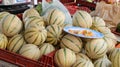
(82, 19)
(114, 57)
(55, 16)
(82, 56)
(30, 51)
(71, 42)
(111, 41)
(46, 48)
(34, 21)
(11, 25)
(103, 62)
(65, 57)
(96, 48)
(98, 24)
(53, 34)
(15, 43)
(35, 35)
(83, 63)
(3, 41)
(2, 15)
(30, 12)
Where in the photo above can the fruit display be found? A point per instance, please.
(35, 36)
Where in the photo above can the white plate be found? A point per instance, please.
(96, 33)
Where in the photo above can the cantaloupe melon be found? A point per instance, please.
(102, 62)
(71, 42)
(33, 20)
(15, 43)
(3, 41)
(55, 16)
(30, 12)
(11, 25)
(96, 48)
(65, 57)
(53, 34)
(35, 35)
(111, 41)
(83, 63)
(81, 56)
(114, 57)
(30, 51)
(46, 48)
(82, 19)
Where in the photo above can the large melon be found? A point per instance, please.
(65, 57)
(30, 51)
(15, 43)
(11, 25)
(82, 19)
(55, 16)
(3, 41)
(98, 24)
(53, 34)
(96, 48)
(102, 62)
(71, 42)
(111, 41)
(35, 35)
(81, 56)
(30, 12)
(83, 62)
(33, 20)
(114, 57)
(46, 48)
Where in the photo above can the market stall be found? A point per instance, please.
(65, 33)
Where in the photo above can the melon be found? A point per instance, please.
(3, 14)
(114, 57)
(71, 42)
(30, 12)
(30, 51)
(83, 63)
(102, 62)
(34, 21)
(46, 48)
(15, 43)
(53, 34)
(35, 35)
(55, 16)
(11, 25)
(81, 56)
(3, 41)
(65, 57)
(82, 19)
(96, 48)
(111, 41)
